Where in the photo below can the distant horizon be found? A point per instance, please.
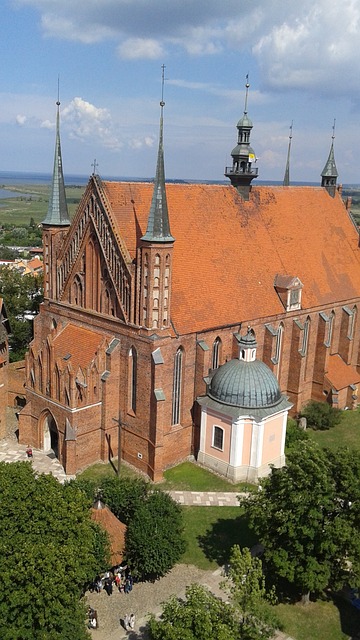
(40, 177)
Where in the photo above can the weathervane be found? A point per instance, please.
(247, 85)
(162, 103)
(333, 128)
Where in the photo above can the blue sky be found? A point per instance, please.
(303, 61)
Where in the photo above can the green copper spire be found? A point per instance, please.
(286, 182)
(57, 215)
(329, 172)
(158, 227)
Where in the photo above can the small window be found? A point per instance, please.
(216, 353)
(218, 438)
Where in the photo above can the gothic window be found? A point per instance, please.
(305, 338)
(218, 438)
(216, 353)
(177, 387)
(132, 380)
(329, 329)
(32, 378)
(57, 384)
(278, 344)
(40, 376)
(351, 326)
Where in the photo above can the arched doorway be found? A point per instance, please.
(51, 435)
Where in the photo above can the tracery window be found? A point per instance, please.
(177, 387)
(132, 380)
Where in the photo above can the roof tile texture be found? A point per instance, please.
(227, 251)
(82, 344)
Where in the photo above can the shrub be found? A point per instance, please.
(321, 415)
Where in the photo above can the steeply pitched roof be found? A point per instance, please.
(57, 214)
(340, 374)
(116, 530)
(77, 346)
(228, 251)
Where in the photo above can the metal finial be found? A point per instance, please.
(291, 128)
(333, 129)
(94, 164)
(58, 93)
(247, 85)
(162, 103)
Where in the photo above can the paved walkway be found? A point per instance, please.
(207, 498)
(42, 462)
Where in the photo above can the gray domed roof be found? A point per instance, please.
(250, 385)
(244, 122)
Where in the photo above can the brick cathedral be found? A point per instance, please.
(151, 288)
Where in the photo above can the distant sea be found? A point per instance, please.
(23, 177)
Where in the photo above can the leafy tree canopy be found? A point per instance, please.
(200, 616)
(307, 517)
(21, 293)
(246, 584)
(49, 551)
(154, 538)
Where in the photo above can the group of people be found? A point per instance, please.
(129, 622)
(120, 578)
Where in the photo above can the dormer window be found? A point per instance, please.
(289, 289)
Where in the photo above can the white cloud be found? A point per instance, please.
(139, 143)
(88, 123)
(20, 120)
(47, 124)
(302, 45)
(135, 48)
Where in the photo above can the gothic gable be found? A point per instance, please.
(94, 268)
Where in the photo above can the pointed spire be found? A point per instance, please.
(158, 227)
(329, 172)
(57, 214)
(286, 182)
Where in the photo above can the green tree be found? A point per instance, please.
(154, 537)
(301, 516)
(21, 293)
(321, 415)
(123, 496)
(246, 584)
(200, 616)
(294, 434)
(49, 551)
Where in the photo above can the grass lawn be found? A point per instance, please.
(188, 476)
(347, 433)
(103, 470)
(319, 620)
(210, 532)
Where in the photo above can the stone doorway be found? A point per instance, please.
(51, 435)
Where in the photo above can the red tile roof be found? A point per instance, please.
(340, 374)
(115, 529)
(81, 344)
(227, 252)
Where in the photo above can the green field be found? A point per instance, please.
(20, 209)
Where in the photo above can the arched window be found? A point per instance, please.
(351, 327)
(132, 380)
(177, 387)
(305, 340)
(330, 329)
(216, 353)
(218, 438)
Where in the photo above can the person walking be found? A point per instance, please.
(132, 621)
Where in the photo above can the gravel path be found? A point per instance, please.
(145, 598)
